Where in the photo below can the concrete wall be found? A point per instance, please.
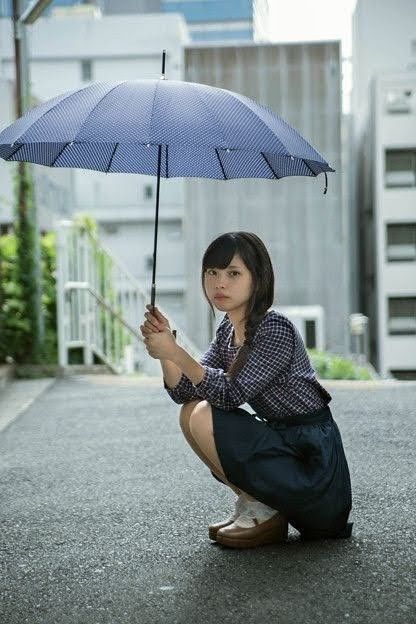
(305, 231)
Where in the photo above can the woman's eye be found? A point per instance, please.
(212, 272)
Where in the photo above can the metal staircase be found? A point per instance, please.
(100, 306)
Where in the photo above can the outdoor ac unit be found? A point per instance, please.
(310, 321)
(399, 101)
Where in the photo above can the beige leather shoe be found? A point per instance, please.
(271, 531)
(214, 528)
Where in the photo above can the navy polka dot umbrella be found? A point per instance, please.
(161, 127)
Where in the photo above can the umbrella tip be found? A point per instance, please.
(163, 64)
(326, 183)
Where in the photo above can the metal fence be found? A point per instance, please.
(100, 306)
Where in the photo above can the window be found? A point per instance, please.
(86, 70)
(404, 375)
(148, 191)
(402, 315)
(401, 242)
(310, 334)
(148, 262)
(5, 228)
(110, 228)
(400, 168)
(399, 101)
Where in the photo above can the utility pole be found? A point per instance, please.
(26, 224)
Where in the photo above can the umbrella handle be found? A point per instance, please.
(152, 303)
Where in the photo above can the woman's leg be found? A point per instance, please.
(184, 418)
(202, 432)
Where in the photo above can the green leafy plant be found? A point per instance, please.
(333, 366)
(15, 316)
(26, 269)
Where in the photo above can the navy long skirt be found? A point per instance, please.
(296, 466)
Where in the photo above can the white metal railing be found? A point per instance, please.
(100, 306)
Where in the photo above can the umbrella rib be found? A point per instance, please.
(219, 160)
(239, 97)
(60, 153)
(96, 106)
(15, 152)
(51, 108)
(270, 167)
(316, 174)
(111, 159)
(310, 168)
(212, 113)
(153, 107)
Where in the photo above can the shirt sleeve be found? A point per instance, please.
(270, 356)
(184, 390)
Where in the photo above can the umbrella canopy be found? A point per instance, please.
(203, 131)
(167, 128)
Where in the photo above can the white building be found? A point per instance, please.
(394, 213)
(383, 144)
(53, 187)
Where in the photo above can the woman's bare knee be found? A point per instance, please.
(185, 414)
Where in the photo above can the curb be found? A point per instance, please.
(7, 373)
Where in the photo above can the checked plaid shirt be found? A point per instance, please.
(276, 381)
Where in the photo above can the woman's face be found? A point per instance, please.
(234, 283)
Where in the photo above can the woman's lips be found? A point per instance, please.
(220, 297)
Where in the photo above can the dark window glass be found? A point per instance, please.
(148, 191)
(404, 375)
(402, 315)
(401, 242)
(86, 70)
(400, 168)
(310, 334)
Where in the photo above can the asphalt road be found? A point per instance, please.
(104, 512)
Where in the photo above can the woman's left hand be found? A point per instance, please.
(161, 345)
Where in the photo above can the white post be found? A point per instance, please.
(87, 298)
(61, 263)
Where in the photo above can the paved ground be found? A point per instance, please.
(104, 513)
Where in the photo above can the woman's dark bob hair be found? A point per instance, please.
(255, 256)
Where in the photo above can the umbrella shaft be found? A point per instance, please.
(153, 293)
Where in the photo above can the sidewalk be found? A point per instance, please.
(104, 514)
(18, 395)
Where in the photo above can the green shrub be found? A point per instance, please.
(332, 366)
(15, 324)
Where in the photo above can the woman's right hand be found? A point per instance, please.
(155, 321)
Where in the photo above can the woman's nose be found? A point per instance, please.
(220, 283)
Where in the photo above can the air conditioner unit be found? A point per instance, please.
(310, 322)
(399, 101)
